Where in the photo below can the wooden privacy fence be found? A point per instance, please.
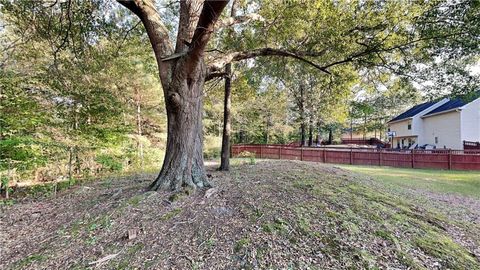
(433, 159)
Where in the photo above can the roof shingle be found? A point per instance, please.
(413, 111)
(450, 105)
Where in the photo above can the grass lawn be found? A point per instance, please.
(460, 182)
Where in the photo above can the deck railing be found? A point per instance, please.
(471, 145)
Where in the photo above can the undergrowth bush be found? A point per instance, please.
(212, 146)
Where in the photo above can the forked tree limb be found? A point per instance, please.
(156, 30)
(210, 13)
(220, 62)
(189, 15)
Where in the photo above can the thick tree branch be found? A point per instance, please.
(377, 49)
(219, 63)
(213, 75)
(131, 5)
(189, 15)
(210, 13)
(156, 30)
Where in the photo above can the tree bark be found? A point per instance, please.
(225, 154)
(310, 134)
(318, 130)
(182, 74)
(330, 135)
(138, 100)
(302, 134)
(302, 116)
(183, 162)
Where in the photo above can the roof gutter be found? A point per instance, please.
(401, 120)
(442, 112)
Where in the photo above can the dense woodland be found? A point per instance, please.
(81, 94)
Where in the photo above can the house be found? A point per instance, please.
(444, 124)
(406, 129)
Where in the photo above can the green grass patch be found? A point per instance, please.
(461, 182)
(241, 244)
(135, 200)
(23, 263)
(452, 255)
(171, 214)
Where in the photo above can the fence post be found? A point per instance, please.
(324, 155)
(351, 156)
(261, 147)
(449, 159)
(413, 158)
(301, 153)
(280, 153)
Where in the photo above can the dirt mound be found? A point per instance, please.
(272, 214)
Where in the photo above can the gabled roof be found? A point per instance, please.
(450, 105)
(413, 111)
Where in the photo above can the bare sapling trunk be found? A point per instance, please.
(310, 133)
(330, 135)
(138, 98)
(301, 104)
(225, 153)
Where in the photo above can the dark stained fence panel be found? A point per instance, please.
(397, 159)
(431, 160)
(366, 158)
(313, 155)
(467, 161)
(271, 152)
(338, 156)
(291, 153)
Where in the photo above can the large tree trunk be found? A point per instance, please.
(302, 134)
(182, 74)
(225, 154)
(183, 163)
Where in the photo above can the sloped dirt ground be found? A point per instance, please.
(269, 215)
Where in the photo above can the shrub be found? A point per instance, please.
(249, 155)
(109, 162)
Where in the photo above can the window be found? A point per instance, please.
(436, 140)
(409, 125)
(388, 129)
